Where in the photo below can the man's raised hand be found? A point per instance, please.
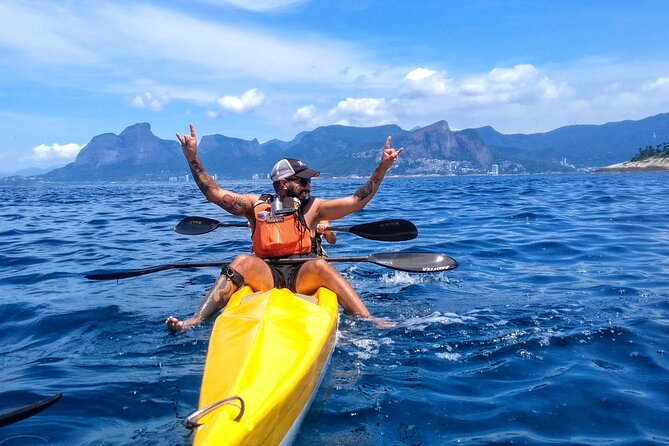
(389, 155)
(189, 143)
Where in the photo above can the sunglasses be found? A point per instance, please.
(303, 181)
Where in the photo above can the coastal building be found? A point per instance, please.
(179, 179)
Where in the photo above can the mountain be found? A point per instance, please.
(338, 150)
(231, 157)
(429, 150)
(136, 153)
(30, 171)
(431, 146)
(582, 145)
(341, 150)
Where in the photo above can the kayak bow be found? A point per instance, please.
(267, 354)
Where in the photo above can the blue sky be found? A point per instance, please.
(271, 68)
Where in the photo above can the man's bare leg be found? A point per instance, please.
(256, 274)
(318, 273)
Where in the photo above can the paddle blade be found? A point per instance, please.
(386, 230)
(196, 225)
(21, 413)
(414, 262)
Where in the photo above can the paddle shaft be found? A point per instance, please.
(402, 261)
(396, 230)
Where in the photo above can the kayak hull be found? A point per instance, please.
(267, 354)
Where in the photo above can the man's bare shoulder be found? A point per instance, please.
(316, 203)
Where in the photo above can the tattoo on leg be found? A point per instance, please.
(215, 301)
(366, 189)
(209, 307)
(226, 291)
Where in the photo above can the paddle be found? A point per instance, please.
(386, 231)
(21, 413)
(415, 262)
(202, 225)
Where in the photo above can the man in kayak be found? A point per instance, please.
(280, 226)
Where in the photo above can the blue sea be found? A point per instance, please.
(553, 330)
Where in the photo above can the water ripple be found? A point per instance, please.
(553, 330)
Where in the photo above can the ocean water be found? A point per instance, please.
(553, 330)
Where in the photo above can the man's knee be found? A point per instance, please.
(243, 262)
(255, 271)
(320, 266)
(323, 270)
(235, 271)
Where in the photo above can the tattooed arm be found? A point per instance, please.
(236, 204)
(341, 207)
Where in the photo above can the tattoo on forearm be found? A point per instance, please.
(235, 205)
(364, 191)
(367, 189)
(201, 177)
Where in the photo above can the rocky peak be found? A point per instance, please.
(135, 145)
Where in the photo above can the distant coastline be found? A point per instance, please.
(655, 164)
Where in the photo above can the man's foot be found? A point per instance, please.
(382, 323)
(174, 325)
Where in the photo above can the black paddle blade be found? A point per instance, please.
(21, 413)
(386, 230)
(414, 262)
(196, 225)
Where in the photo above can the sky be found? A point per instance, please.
(265, 69)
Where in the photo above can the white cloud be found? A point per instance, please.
(362, 106)
(522, 98)
(249, 101)
(660, 84)
(258, 5)
(520, 84)
(39, 32)
(104, 36)
(424, 92)
(151, 101)
(361, 112)
(617, 97)
(305, 115)
(423, 81)
(55, 152)
(185, 57)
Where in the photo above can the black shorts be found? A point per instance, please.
(285, 276)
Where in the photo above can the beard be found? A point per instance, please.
(301, 194)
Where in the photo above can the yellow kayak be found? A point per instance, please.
(267, 354)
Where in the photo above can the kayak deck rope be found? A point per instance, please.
(192, 420)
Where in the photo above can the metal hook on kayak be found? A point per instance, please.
(192, 420)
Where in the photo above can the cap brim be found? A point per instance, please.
(307, 173)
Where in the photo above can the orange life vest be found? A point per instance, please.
(278, 236)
